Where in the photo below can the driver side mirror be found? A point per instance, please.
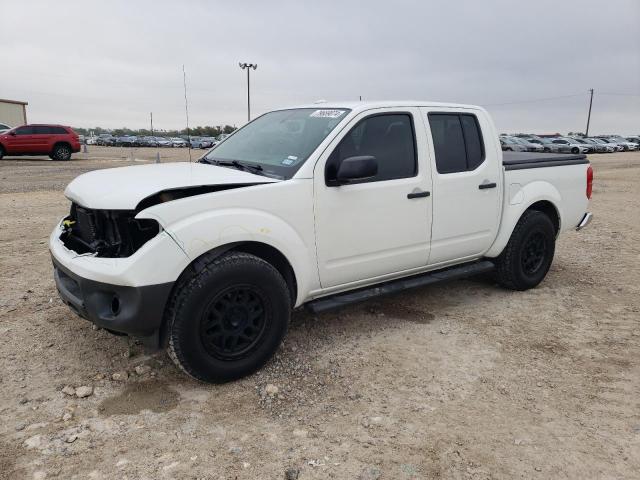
(12, 133)
(357, 168)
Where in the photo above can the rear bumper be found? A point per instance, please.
(135, 311)
(586, 220)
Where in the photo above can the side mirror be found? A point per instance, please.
(12, 133)
(357, 168)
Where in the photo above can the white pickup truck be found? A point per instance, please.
(321, 205)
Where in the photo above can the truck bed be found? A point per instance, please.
(522, 160)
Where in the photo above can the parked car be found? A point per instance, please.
(597, 146)
(147, 142)
(626, 144)
(4, 127)
(581, 141)
(613, 143)
(178, 142)
(92, 140)
(635, 140)
(569, 145)
(510, 145)
(57, 141)
(320, 207)
(530, 146)
(164, 142)
(203, 142)
(609, 146)
(127, 141)
(105, 139)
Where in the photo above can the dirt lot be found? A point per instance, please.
(463, 380)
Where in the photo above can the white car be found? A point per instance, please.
(316, 206)
(569, 145)
(4, 127)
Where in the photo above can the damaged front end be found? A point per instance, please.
(106, 233)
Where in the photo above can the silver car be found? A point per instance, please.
(613, 143)
(626, 144)
(608, 146)
(509, 144)
(569, 145)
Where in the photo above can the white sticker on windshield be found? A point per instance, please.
(327, 113)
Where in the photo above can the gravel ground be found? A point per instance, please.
(464, 380)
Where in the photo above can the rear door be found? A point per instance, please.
(41, 139)
(381, 225)
(467, 184)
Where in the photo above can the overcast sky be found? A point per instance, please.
(109, 63)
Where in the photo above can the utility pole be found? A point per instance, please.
(248, 67)
(151, 115)
(589, 115)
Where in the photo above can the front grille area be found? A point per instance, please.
(106, 233)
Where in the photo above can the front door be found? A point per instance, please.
(21, 141)
(467, 185)
(380, 225)
(41, 139)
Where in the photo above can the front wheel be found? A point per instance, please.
(526, 259)
(227, 318)
(1, 153)
(61, 152)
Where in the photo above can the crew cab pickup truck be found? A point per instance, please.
(319, 206)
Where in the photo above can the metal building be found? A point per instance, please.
(13, 112)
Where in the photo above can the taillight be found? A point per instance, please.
(589, 181)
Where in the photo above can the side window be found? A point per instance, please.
(58, 131)
(388, 137)
(457, 142)
(41, 130)
(24, 131)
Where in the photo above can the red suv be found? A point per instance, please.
(54, 140)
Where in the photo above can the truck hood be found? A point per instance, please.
(124, 188)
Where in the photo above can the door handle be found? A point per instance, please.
(418, 194)
(486, 185)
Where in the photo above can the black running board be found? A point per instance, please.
(347, 298)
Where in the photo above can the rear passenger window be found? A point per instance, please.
(41, 130)
(58, 130)
(457, 142)
(388, 137)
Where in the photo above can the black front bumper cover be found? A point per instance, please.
(135, 311)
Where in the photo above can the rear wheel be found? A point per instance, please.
(61, 152)
(227, 319)
(526, 259)
(575, 150)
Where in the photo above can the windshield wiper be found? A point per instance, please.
(257, 169)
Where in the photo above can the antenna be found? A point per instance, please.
(186, 109)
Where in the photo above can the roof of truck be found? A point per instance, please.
(367, 105)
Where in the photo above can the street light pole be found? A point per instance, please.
(589, 114)
(248, 67)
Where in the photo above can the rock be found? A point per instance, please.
(300, 433)
(538, 469)
(236, 450)
(143, 369)
(370, 473)
(120, 376)
(67, 416)
(71, 438)
(34, 442)
(21, 426)
(99, 376)
(271, 390)
(69, 390)
(291, 473)
(84, 391)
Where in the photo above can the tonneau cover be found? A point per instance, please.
(522, 160)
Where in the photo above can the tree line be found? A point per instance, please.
(206, 131)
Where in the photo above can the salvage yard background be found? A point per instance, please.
(464, 380)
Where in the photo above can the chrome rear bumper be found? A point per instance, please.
(585, 221)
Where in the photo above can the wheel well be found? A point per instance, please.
(549, 210)
(60, 143)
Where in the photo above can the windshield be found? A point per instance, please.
(279, 142)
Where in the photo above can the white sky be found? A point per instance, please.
(109, 63)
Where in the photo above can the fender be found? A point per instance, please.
(210, 224)
(516, 202)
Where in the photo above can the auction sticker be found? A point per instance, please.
(327, 113)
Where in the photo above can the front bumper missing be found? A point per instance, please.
(136, 311)
(586, 220)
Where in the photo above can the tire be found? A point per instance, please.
(227, 318)
(61, 152)
(1, 152)
(575, 150)
(526, 259)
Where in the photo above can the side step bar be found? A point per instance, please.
(347, 298)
